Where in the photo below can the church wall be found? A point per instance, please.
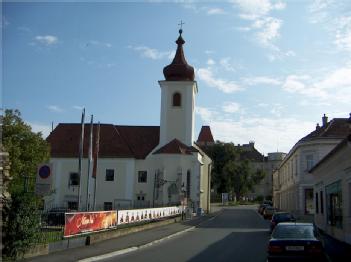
(120, 189)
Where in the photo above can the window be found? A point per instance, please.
(74, 179)
(334, 204)
(177, 99)
(142, 176)
(73, 205)
(107, 206)
(322, 204)
(316, 199)
(110, 175)
(309, 162)
(309, 201)
(188, 180)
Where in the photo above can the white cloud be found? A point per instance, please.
(153, 53)
(343, 33)
(215, 11)
(209, 52)
(211, 62)
(253, 9)
(44, 129)
(269, 134)
(226, 64)
(270, 30)
(46, 39)
(264, 26)
(55, 109)
(333, 87)
(80, 108)
(98, 43)
(259, 80)
(231, 107)
(206, 75)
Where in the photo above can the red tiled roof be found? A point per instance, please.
(205, 135)
(336, 128)
(115, 141)
(176, 147)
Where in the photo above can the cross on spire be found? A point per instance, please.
(181, 24)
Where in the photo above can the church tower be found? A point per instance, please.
(178, 99)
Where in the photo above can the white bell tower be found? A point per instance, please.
(178, 99)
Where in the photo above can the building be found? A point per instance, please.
(260, 162)
(332, 191)
(138, 166)
(293, 184)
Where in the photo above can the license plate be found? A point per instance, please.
(294, 248)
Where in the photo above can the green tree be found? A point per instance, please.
(241, 176)
(21, 224)
(26, 149)
(221, 154)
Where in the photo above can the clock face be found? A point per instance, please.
(44, 172)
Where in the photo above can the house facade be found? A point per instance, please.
(293, 185)
(137, 166)
(332, 192)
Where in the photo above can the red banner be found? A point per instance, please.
(84, 222)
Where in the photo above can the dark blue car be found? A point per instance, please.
(295, 242)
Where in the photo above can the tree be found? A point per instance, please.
(26, 149)
(241, 176)
(221, 154)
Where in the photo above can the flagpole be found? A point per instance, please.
(80, 160)
(90, 160)
(97, 148)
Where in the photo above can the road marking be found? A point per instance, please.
(131, 249)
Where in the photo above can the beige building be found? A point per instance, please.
(293, 185)
(332, 191)
(138, 166)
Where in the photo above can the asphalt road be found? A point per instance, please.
(236, 234)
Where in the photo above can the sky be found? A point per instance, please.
(266, 70)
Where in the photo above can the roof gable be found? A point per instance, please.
(176, 147)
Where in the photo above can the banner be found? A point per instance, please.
(139, 215)
(84, 222)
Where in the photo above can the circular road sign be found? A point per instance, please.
(44, 171)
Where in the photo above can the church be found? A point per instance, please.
(138, 166)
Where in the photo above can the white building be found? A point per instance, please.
(294, 189)
(138, 166)
(332, 191)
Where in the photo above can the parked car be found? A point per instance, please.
(268, 212)
(295, 242)
(56, 216)
(279, 217)
(262, 207)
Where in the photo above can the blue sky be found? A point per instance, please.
(266, 70)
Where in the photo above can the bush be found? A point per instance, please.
(21, 224)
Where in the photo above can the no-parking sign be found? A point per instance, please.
(44, 179)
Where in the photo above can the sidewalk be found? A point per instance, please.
(111, 245)
(337, 251)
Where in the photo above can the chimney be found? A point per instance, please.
(318, 127)
(324, 120)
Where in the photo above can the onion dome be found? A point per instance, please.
(179, 70)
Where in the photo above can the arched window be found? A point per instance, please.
(177, 99)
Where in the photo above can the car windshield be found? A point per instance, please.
(283, 217)
(293, 232)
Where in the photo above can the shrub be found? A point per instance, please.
(21, 224)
